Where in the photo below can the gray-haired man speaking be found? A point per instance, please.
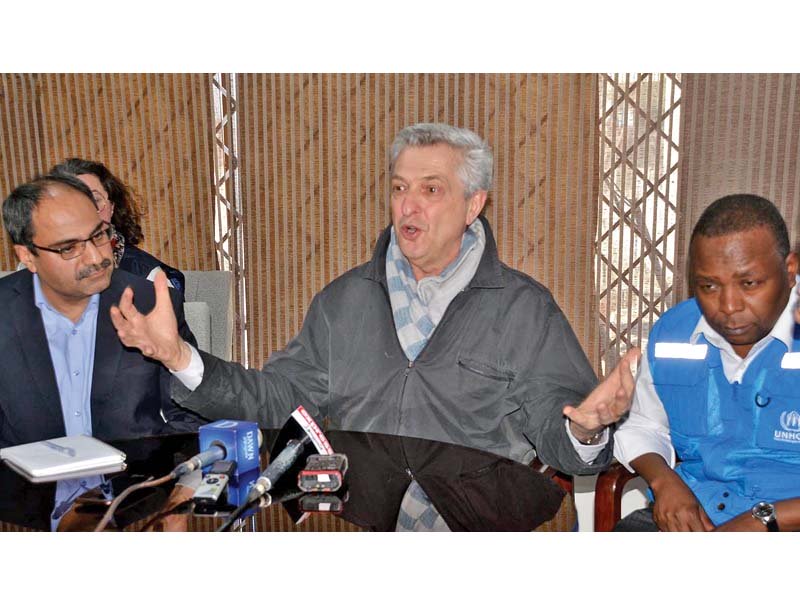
(432, 338)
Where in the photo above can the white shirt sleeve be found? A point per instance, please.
(647, 427)
(192, 375)
(588, 453)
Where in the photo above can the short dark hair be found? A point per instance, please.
(742, 212)
(19, 206)
(126, 214)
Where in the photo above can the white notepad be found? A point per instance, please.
(63, 458)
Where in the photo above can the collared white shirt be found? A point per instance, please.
(647, 427)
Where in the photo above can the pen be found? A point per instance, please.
(58, 448)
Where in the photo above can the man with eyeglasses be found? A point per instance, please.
(63, 371)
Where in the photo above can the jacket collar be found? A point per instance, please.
(488, 275)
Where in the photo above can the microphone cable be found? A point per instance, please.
(262, 501)
(215, 452)
(148, 483)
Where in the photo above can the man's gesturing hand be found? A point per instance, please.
(607, 402)
(155, 334)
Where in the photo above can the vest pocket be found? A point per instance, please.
(778, 422)
(682, 386)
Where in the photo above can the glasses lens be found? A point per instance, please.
(72, 250)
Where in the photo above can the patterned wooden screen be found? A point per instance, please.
(639, 133)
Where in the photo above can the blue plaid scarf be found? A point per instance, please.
(418, 306)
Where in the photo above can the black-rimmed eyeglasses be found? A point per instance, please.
(74, 249)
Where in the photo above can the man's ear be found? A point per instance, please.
(475, 205)
(25, 256)
(792, 265)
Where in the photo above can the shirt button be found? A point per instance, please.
(76, 373)
(720, 506)
(74, 332)
(725, 494)
(77, 413)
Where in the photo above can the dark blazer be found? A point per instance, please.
(141, 263)
(128, 390)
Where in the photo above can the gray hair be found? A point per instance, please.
(475, 170)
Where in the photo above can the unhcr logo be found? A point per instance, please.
(790, 422)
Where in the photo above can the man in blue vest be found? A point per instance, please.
(720, 384)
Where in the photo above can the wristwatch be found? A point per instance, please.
(765, 512)
(593, 439)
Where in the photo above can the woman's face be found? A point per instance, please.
(105, 208)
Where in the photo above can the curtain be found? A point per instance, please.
(313, 171)
(155, 132)
(740, 134)
(299, 163)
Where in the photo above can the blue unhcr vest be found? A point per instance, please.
(739, 443)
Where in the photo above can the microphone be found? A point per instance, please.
(236, 441)
(199, 461)
(285, 459)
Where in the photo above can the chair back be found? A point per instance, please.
(209, 310)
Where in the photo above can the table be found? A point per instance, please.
(473, 490)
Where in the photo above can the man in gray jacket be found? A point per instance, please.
(433, 338)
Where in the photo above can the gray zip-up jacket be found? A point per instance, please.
(495, 374)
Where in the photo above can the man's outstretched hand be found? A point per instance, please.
(156, 333)
(608, 401)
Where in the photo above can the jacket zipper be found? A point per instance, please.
(402, 394)
(411, 363)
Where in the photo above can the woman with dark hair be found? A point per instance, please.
(115, 205)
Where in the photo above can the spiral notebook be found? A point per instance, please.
(63, 458)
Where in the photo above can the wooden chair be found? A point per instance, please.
(608, 496)
(566, 518)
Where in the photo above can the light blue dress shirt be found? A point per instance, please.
(72, 355)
